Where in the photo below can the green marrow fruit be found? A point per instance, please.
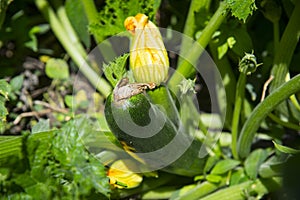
(144, 127)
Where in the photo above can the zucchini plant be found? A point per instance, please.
(141, 126)
(148, 123)
(154, 125)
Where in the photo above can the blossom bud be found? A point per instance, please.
(149, 60)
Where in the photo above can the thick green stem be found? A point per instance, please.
(295, 101)
(237, 192)
(262, 110)
(229, 82)
(286, 47)
(230, 193)
(186, 68)
(105, 47)
(75, 54)
(201, 190)
(247, 66)
(190, 24)
(92, 15)
(239, 97)
(62, 15)
(283, 123)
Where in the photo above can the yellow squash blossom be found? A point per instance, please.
(148, 56)
(121, 176)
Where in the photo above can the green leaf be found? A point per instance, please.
(285, 149)
(194, 192)
(69, 100)
(243, 41)
(3, 110)
(253, 162)
(224, 166)
(229, 44)
(237, 38)
(38, 148)
(222, 50)
(115, 70)
(40, 29)
(10, 146)
(57, 69)
(199, 178)
(70, 151)
(42, 126)
(213, 178)
(273, 166)
(241, 8)
(39, 191)
(78, 19)
(229, 193)
(113, 15)
(16, 83)
(238, 176)
(246, 189)
(5, 88)
(59, 160)
(211, 161)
